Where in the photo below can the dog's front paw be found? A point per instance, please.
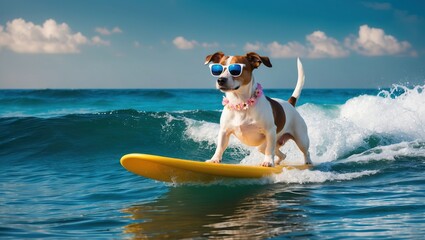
(213, 161)
(268, 162)
(308, 162)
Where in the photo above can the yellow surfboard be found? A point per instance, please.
(185, 171)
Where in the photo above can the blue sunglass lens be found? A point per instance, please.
(235, 69)
(216, 69)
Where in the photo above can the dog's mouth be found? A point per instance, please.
(225, 89)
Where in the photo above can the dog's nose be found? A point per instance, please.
(221, 81)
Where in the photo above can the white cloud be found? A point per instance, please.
(318, 46)
(253, 47)
(182, 43)
(323, 46)
(105, 31)
(289, 50)
(26, 37)
(96, 40)
(116, 30)
(374, 42)
(277, 50)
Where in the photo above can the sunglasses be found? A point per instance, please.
(235, 69)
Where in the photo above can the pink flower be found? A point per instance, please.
(225, 101)
(259, 91)
(252, 101)
(239, 106)
(244, 105)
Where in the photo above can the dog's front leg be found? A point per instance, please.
(270, 148)
(222, 142)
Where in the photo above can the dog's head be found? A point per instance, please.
(232, 72)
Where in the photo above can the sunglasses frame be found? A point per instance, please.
(227, 67)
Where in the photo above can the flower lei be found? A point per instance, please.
(244, 105)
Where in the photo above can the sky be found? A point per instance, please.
(163, 43)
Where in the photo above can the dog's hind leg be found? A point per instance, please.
(303, 144)
(280, 142)
(280, 156)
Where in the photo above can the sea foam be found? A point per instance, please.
(392, 117)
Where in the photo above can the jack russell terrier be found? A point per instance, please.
(256, 120)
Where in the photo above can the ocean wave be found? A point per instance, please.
(390, 152)
(363, 129)
(54, 103)
(364, 122)
(158, 94)
(120, 131)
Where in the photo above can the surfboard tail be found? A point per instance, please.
(300, 83)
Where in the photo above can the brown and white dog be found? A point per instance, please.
(256, 120)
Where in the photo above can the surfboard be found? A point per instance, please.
(177, 170)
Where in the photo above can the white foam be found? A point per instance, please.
(390, 152)
(316, 176)
(331, 136)
(167, 127)
(291, 177)
(402, 116)
(202, 131)
(336, 131)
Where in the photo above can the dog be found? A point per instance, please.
(256, 120)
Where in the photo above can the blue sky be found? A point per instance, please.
(163, 43)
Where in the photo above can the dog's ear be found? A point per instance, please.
(215, 58)
(256, 60)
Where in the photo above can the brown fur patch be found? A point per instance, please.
(256, 60)
(215, 58)
(246, 76)
(292, 101)
(278, 114)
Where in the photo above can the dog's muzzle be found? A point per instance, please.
(221, 81)
(222, 84)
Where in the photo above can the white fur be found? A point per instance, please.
(255, 126)
(300, 82)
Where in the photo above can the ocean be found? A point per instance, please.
(60, 176)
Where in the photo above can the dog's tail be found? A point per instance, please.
(300, 83)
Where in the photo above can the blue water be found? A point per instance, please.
(60, 176)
